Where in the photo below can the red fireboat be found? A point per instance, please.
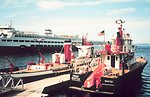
(115, 71)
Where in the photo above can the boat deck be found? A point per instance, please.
(114, 73)
(55, 69)
(90, 91)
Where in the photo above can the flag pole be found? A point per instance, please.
(104, 35)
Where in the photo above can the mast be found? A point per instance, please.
(120, 22)
(10, 25)
(119, 43)
(119, 38)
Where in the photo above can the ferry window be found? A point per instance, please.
(49, 42)
(16, 35)
(27, 41)
(3, 39)
(32, 41)
(108, 57)
(9, 40)
(15, 40)
(21, 40)
(45, 41)
(52, 41)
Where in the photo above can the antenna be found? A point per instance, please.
(120, 22)
(10, 25)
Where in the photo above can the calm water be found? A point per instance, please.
(21, 60)
(145, 89)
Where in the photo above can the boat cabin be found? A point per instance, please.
(117, 50)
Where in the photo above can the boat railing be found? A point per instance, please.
(7, 81)
(123, 48)
(81, 64)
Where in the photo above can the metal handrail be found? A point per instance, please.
(9, 80)
(20, 81)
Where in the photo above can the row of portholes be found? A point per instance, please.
(46, 45)
(4, 40)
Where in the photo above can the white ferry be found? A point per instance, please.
(12, 40)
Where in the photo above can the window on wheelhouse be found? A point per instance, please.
(108, 57)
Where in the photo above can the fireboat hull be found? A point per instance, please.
(125, 85)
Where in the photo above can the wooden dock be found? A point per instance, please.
(34, 89)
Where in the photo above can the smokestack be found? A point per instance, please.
(67, 50)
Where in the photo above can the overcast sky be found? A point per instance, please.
(79, 17)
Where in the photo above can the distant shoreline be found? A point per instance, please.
(142, 44)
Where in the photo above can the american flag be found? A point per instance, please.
(101, 33)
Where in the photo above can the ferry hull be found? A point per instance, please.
(15, 50)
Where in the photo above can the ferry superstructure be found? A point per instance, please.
(15, 40)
